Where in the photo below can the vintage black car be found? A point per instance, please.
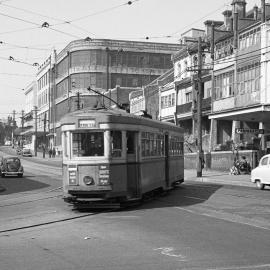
(11, 165)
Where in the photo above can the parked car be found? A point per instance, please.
(11, 165)
(260, 175)
(26, 152)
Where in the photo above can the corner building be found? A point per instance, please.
(103, 64)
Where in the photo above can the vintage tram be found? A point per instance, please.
(112, 157)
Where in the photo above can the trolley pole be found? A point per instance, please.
(199, 111)
(107, 74)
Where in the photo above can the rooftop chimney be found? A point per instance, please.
(235, 30)
(263, 10)
(239, 6)
(255, 12)
(227, 19)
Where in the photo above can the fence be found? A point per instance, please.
(222, 160)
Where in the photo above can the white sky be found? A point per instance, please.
(20, 22)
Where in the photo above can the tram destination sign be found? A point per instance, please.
(89, 123)
(249, 130)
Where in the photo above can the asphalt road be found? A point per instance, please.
(198, 226)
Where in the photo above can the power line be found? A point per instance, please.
(18, 30)
(44, 25)
(23, 47)
(103, 11)
(17, 61)
(17, 74)
(181, 29)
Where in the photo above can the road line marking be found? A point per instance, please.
(222, 218)
(241, 267)
(196, 198)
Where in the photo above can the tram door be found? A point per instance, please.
(132, 164)
(166, 148)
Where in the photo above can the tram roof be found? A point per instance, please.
(108, 115)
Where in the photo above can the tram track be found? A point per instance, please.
(30, 195)
(36, 225)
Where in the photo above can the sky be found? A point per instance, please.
(24, 40)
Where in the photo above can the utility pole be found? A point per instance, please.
(199, 111)
(78, 101)
(44, 134)
(199, 69)
(35, 118)
(22, 122)
(13, 127)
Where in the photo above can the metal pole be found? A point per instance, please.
(199, 111)
(78, 101)
(13, 127)
(44, 134)
(35, 144)
(22, 127)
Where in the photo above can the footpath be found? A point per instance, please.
(219, 177)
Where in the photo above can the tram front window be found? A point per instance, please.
(88, 144)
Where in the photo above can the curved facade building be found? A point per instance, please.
(104, 64)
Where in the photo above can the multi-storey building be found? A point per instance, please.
(102, 65)
(28, 128)
(186, 86)
(240, 90)
(65, 80)
(148, 101)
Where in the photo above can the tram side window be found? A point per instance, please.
(116, 143)
(152, 144)
(88, 144)
(176, 146)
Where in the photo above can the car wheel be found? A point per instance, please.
(3, 175)
(259, 185)
(20, 175)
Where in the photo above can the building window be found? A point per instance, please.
(188, 97)
(250, 38)
(168, 101)
(62, 68)
(249, 78)
(224, 48)
(61, 88)
(224, 85)
(80, 59)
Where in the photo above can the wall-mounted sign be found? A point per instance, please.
(89, 123)
(249, 130)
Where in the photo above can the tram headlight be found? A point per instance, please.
(88, 180)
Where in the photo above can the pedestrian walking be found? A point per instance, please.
(50, 153)
(53, 153)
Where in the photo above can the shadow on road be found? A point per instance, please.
(182, 196)
(15, 185)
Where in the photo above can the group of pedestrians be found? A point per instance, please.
(52, 152)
